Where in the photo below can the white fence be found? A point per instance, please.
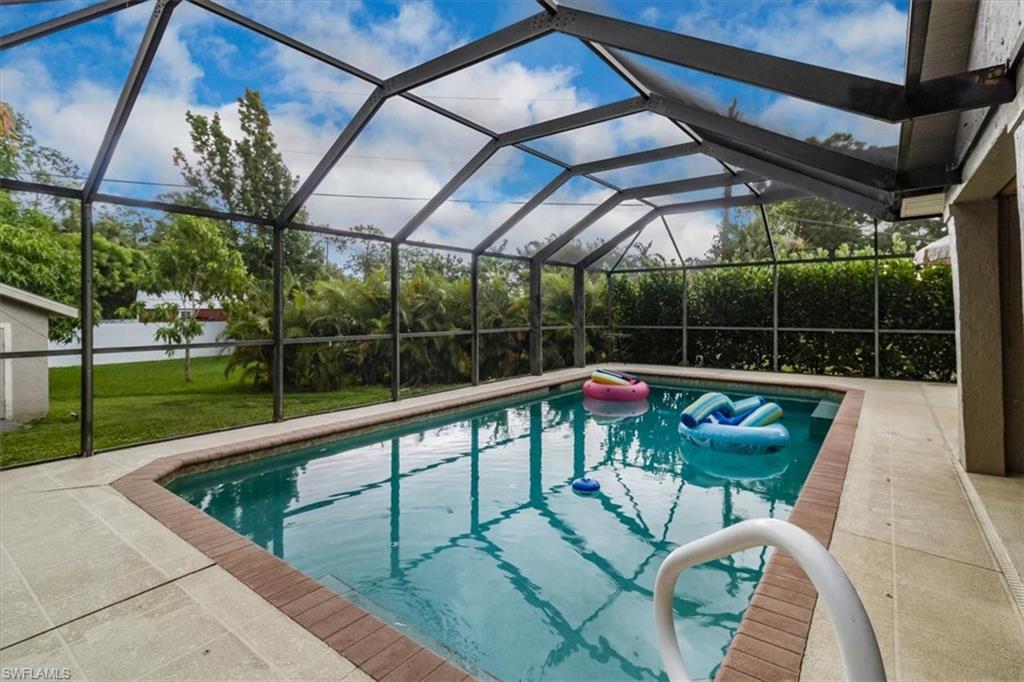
(120, 333)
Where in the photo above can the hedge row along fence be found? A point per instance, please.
(858, 318)
(813, 318)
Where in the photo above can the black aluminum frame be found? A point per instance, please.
(793, 168)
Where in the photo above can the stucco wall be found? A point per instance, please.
(974, 229)
(996, 35)
(28, 378)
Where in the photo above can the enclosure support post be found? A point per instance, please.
(579, 317)
(396, 351)
(610, 333)
(536, 347)
(277, 320)
(686, 317)
(85, 446)
(878, 345)
(775, 317)
(474, 316)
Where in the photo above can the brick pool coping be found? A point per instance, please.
(769, 644)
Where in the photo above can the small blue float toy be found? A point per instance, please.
(750, 425)
(585, 486)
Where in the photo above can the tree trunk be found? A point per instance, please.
(188, 365)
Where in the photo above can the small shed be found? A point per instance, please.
(25, 326)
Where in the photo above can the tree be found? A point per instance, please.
(820, 227)
(193, 260)
(246, 176)
(366, 257)
(21, 156)
(741, 237)
(38, 256)
(800, 227)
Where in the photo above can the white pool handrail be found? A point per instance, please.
(857, 644)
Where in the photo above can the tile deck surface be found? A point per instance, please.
(91, 583)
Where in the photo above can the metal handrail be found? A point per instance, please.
(858, 646)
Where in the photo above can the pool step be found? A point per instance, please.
(822, 417)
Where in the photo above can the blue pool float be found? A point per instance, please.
(586, 486)
(748, 426)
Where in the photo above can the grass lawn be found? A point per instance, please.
(144, 401)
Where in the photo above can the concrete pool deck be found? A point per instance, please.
(93, 584)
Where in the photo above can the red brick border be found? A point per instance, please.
(772, 636)
(769, 644)
(381, 651)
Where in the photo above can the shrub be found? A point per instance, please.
(835, 295)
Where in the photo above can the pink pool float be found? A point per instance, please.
(615, 386)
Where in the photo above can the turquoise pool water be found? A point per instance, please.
(464, 530)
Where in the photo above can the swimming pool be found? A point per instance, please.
(464, 532)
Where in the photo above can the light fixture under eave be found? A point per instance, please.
(923, 205)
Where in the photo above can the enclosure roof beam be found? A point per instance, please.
(917, 37)
(491, 45)
(158, 21)
(641, 192)
(846, 171)
(769, 196)
(622, 65)
(638, 158)
(461, 57)
(793, 175)
(556, 125)
(338, 148)
(64, 21)
(606, 248)
(857, 94)
(330, 60)
(523, 211)
(284, 39)
(612, 60)
(474, 164)
(603, 209)
(609, 164)
(579, 119)
(828, 160)
(691, 184)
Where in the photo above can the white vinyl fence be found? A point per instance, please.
(120, 333)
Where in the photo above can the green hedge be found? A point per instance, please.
(835, 295)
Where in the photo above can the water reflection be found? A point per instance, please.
(467, 530)
(611, 411)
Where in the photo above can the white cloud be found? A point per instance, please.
(866, 38)
(406, 151)
(694, 233)
(803, 119)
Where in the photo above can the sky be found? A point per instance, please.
(67, 85)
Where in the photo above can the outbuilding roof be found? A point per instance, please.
(36, 301)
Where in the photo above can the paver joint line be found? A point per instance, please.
(147, 590)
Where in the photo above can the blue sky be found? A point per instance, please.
(67, 85)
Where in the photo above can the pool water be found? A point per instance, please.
(464, 531)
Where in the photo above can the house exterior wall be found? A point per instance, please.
(979, 360)
(990, 144)
(997, 30)
(1012, 312)
(26, 380)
